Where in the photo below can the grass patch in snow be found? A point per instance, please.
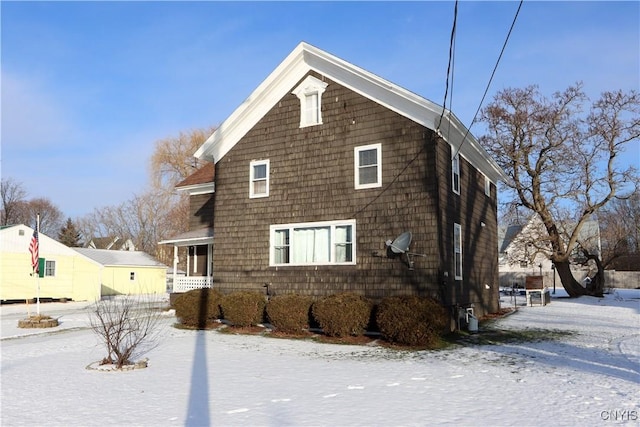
(507, 336)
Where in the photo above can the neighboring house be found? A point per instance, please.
(67, 275)
(128, 272)
(319, 167)
(525, 251)
(114, 243)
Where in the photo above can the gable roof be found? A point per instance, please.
(110, 242)
(510, 236)
(108, 257)
(16, 239)
(204, 175)
(305, 58)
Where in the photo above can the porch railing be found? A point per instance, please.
(184, 284)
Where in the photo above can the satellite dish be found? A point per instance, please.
(400, 245)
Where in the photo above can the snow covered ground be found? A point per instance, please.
(198, 378)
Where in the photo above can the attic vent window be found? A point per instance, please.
(310, 94)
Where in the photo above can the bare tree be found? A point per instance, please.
(620, 228)
(128, 326)
(158, 213)
(12, 196)
(563, 164)
(172, 160)
(51, 217)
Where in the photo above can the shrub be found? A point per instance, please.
(289, 312)
(342, 314)
(411, 320)
(128, 326)
(198, 307)
(243, 308)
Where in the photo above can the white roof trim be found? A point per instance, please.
(195, 189)
(305, 58)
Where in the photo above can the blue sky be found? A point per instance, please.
(89, 87)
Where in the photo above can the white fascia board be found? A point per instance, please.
(410, 105)
(196, 189)
(188, 241)
(261, 100)
(306, 57)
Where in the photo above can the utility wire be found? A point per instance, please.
(449, 65)
(513, 23)
(446, 90)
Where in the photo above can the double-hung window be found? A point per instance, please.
(49, 268)
(457, 251)
(259, 178)
(455, 173)
(310, 94)
(318, 243)
(487, 186)
(368, 166)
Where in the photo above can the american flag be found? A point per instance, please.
(34, 248)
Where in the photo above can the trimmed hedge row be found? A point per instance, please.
(405, 320)
(411, 320)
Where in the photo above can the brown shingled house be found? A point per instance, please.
(320, 170)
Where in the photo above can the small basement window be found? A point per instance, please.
(310, 94)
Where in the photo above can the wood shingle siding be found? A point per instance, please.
(311, 180)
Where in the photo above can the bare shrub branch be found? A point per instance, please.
(128, 326)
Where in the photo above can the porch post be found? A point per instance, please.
(175, 264)
(209, 262)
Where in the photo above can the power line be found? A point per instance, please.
(449, 65)
(504, 45)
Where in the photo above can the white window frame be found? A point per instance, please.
(310, 115)
(357, 166)
(455, 173)
(132, 276)
(457, 252)
(333, 243)
(253, 179)
(49, 268)
(487, 186)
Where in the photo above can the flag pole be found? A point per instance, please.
(38, 275)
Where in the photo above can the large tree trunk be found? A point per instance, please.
(596, 287)
(570, 284)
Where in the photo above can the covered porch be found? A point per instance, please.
(199, 260)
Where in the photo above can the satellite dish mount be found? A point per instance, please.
(399, 246)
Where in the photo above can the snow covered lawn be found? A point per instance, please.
(589, 377)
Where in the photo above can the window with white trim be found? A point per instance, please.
(259, 178)
(310, 94)
(49, 268)
(457, 249)
(132, 276)
(317, 243)
(487, 186)
(455, 173)
(368, 166)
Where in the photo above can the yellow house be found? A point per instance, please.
(128, 272)
(67, 274)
